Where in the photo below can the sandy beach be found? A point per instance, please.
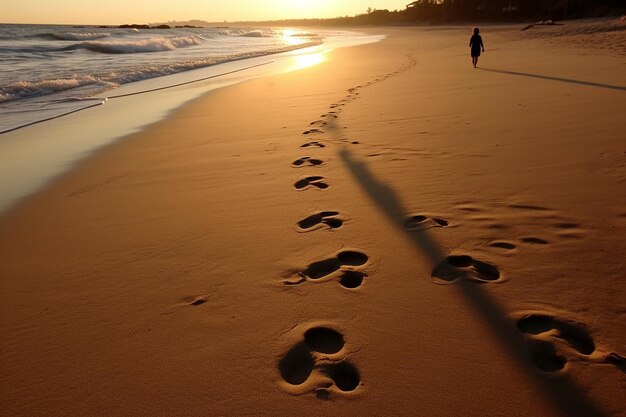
(390, 232)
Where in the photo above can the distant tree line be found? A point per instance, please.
(449, 11)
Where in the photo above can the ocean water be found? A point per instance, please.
(48, 71)
(67, 92)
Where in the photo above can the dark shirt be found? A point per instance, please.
(476, 42)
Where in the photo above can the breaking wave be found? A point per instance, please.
(107, 80)
(134, 46)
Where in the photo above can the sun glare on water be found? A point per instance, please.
(290, 37)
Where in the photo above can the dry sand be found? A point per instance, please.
(187, 270)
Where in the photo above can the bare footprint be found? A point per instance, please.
(317, 220)
(313, 144)
(314, 181)
(551, 341)
(312, 132)
(320, 123)
(531, 240)
(511, 247)
(307, 161)
(503, 244)
(344, 262)
(455, 267)
(320, 353)
(419, 222)
(322, 269)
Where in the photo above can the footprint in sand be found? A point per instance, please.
(570, 230)
(531, 240)
(503, 244)
(318, 365)
(320, 123)
(417, 222)
(552, 341)
(314, 181)
(312, 132)
(317, 220)
(306, 161)
(455, 267)
(511, 247)
(314, 144)
(534, 225)
(345, 264)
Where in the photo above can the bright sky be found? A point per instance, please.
(146, 11)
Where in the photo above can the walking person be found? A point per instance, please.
(476, 43)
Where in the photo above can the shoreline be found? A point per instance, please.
(176, 271)
(128, 114)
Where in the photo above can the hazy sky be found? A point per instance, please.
(145, 11)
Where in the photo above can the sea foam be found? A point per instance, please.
(255, 34)
(158, 44)
(48, 65)
(24, 89)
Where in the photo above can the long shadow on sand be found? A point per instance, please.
(565, 80)
(564, 394)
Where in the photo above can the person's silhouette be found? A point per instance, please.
(476, 43)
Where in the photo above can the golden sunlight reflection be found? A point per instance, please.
(307, 60)
(290, 37)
